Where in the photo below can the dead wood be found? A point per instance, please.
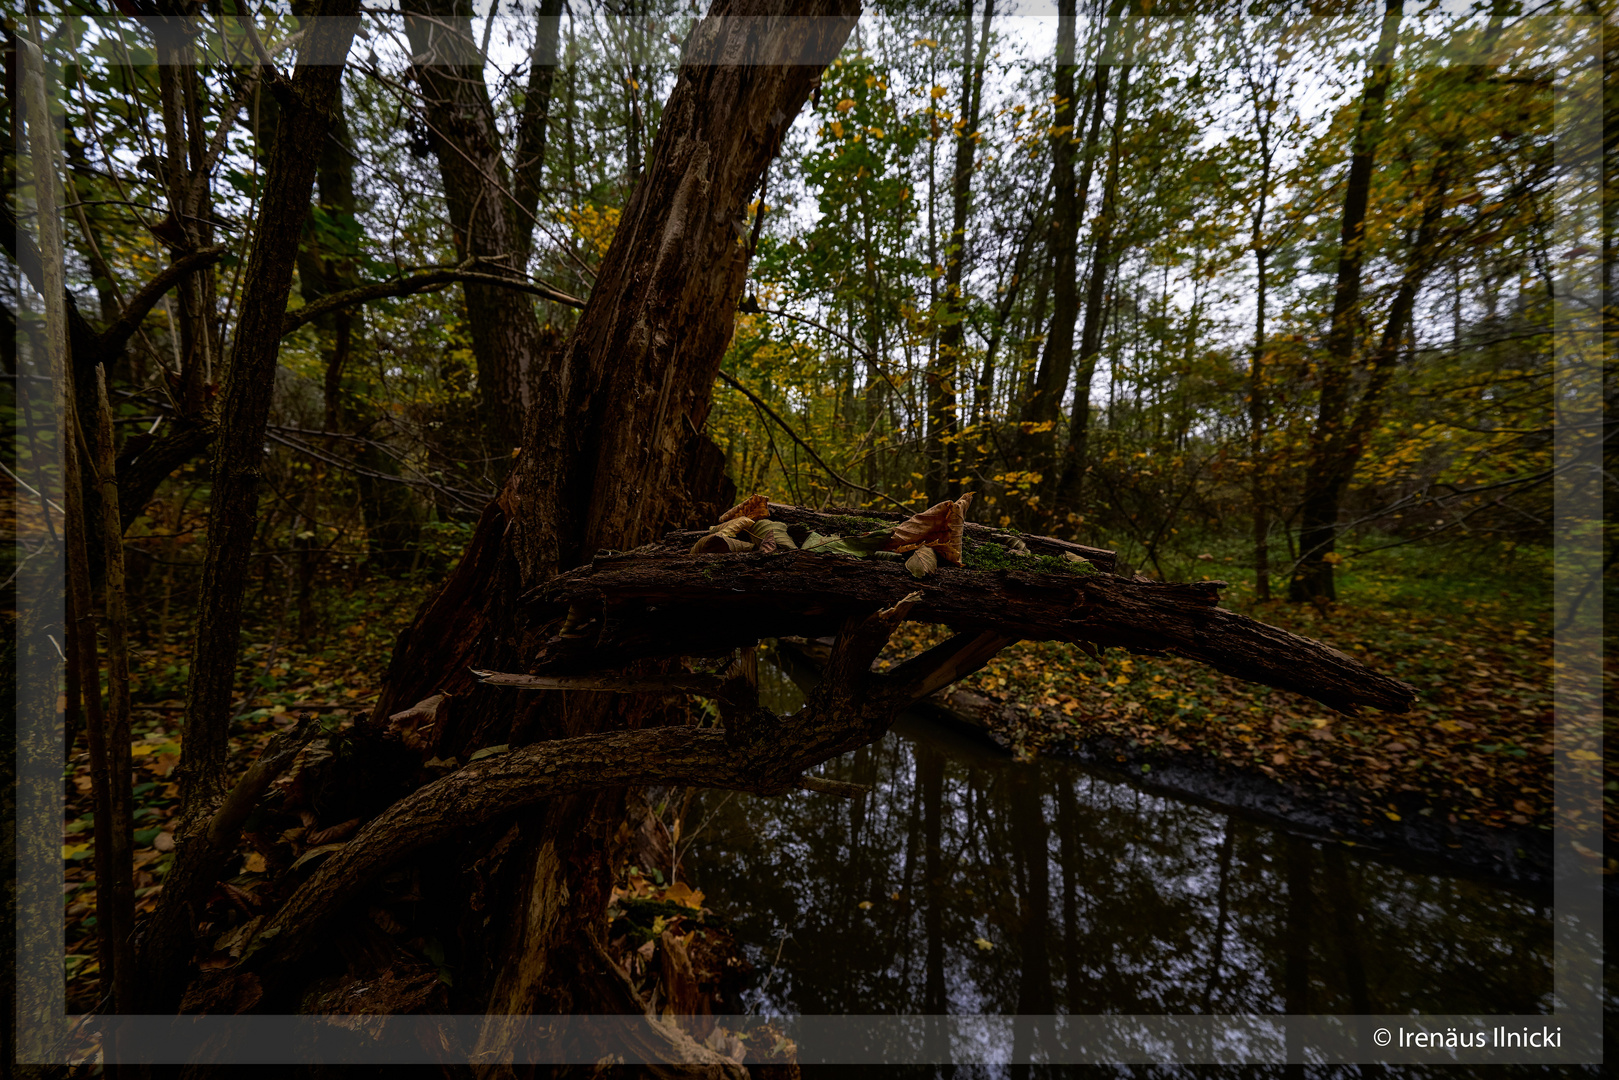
(655, 603)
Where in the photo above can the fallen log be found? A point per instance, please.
(659, 601)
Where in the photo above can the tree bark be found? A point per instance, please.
(507, 343)
(1068, 214)
(233, 518)
(1325, 480)
(1070, 478)
(606, 463)
(534, 124)
(944, 426)
(1261, 82)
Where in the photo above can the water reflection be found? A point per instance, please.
(969, 884)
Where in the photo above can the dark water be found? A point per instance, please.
(967, 883)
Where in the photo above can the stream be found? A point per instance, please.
(969, 884)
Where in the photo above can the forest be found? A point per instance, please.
(703, 522)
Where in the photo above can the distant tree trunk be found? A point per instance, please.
(944, 422)
(534, 124)
(1262, 94)
(1258, 413)
(1326, 478)
(233, 517)
(189, 225)
(984, 391)
(506, 339)
(392, 514)
(1070, 477)
(1069, 201)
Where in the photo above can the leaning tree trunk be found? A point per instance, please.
(608, 460)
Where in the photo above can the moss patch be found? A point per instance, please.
(996, 557)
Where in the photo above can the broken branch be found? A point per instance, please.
(612, 684)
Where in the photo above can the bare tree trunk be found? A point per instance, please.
(1258, 415)
(1325, 480)
(944, 421)
(1069, 200)
(288, 181)
(534, 124)
(1261, 81)
(115, 907)
(507, 343)
(1103, 257)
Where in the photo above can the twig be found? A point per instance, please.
(442, 275)
(760, 404)
(275, 645)
(696, 683)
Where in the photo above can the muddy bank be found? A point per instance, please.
(1422, 837)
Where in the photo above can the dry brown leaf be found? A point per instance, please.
(418, 726)
(922, 562)
(939, 527)
(754, 507)
(507, 500)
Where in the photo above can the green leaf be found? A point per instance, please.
(860, 545)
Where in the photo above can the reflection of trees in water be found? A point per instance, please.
(1094, 897)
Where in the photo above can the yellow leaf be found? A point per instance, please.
(1583, 755)
(938, 92)
(845, 105)
(1391, 815)
(984, 943)
(254, 863)
(864, 905)
(684, 895)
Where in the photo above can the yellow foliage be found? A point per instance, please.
(594, 227)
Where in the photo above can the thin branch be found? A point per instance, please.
(696, 683)
(279, 85)
(140, 305)
(444, 275)
(471, 500)
(760, 404)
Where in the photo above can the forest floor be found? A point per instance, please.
(1475, 751)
